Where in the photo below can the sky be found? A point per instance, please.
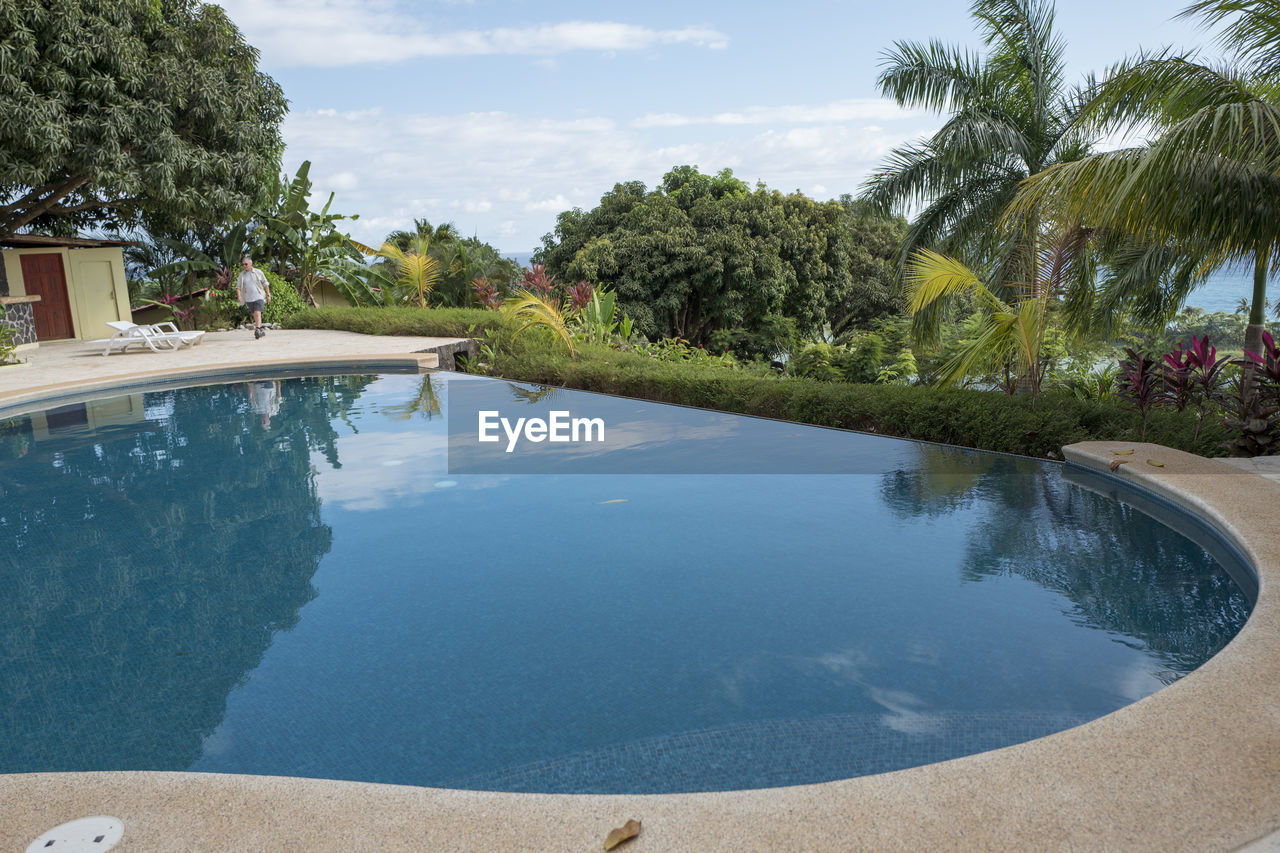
(497, 116)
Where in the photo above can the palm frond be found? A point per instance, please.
(988, 349)
(525, 310)
(933, 75)
(1252, 31)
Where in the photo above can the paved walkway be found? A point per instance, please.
(59, 366)
(1266, 466)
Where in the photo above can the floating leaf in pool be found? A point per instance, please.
(626, 832)
(614, 501)
(1155, 463)
(446, 484)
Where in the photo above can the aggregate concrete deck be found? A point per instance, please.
(1194, 767)
(62, 366)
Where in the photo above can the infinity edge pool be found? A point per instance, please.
(1191, 767)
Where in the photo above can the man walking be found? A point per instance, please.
(254, 292)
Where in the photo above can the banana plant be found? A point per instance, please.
(193, 261)
(309, 241)
(596, 322)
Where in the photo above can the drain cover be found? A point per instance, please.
(86, 835)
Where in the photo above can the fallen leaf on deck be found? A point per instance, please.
(626, 832)
(1155, 463)
(1116, 463)
(1122, 452)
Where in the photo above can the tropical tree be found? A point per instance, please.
(305, 244)
(410, 274)
(1010, 115)
(709, 259)
(462, 260)
(1011, 333)
(125, 112)
(1205, 191)
(192, 261)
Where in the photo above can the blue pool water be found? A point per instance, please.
(288, 579)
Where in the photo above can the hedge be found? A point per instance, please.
(431, 323)
(987, 420)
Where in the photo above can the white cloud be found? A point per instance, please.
(851, 109)
(334, 33)
(504, 176)
(550, 205)
(344, 181)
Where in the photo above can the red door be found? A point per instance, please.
(43, 276)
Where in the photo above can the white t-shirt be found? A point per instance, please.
(264, 399)
(252, 285)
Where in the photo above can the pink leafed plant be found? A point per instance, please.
(537, 281)
(580, 294)
(487, 293)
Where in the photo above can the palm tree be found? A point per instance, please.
(1011, 334)
(1205, 192)
(1011, 115)
(411, 273)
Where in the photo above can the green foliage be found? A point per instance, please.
(703, 253)
(533, 311)
(432, 322)
(305, 245)
(1097, 384)
(285, 301)
(461, 261)
(858, 361)
(773, 336)
(679, 350)
(7, 346)
(596, 322)
(1009, 114)
(1201, 194)
(1033, 426)
(406, 274)
(118, 112)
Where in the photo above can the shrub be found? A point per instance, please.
(285, 301)
(7, 346)
(858, 361)
(987, 420)
(426, 322)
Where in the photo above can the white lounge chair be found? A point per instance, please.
(160, 337)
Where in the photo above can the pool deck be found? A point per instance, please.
(65, 366)
(1195, 766)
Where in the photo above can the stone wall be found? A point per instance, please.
(447, 352)
(18, 317)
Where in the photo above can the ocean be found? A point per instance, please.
(1224, 290)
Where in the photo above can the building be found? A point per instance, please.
(80, 284)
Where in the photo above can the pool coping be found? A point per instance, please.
(1191, 767)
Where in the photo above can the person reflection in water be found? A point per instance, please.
(264, 399)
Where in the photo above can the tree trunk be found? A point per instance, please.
(1257, 310)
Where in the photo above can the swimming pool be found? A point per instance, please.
(286, 578)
